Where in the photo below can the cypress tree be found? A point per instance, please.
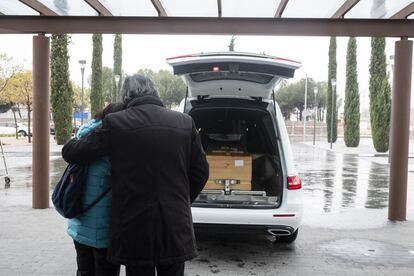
(331, 75)
(232, 44)
(379, 95)
(351, 110)
(117, 67)
(61, 92)
(96, 85)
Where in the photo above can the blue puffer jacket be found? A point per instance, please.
(91, 228)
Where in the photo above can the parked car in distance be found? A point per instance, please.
(253, 185)
(10, 129)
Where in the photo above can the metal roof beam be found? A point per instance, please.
(346, 7)
(219, 10)
(207, 26)
(405, 12)
(158, 6)
(99, 7)
(39, 7)
(281, 8)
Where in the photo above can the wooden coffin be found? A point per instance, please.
(229, 166)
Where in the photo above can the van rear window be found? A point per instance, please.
(225, 75)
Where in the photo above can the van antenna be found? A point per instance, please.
(185, 100)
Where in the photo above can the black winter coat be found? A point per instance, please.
(158, 169)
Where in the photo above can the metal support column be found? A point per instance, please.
(40, 159)
(401, 93)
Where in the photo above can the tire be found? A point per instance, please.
(22, 133)
(288, 239)
(7, 182)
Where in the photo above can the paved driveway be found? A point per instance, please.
(345, 229)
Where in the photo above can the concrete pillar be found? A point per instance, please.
(401, 93)
(40, 159)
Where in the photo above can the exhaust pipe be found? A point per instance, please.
(279, 232)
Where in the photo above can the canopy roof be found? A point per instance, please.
(267, 17)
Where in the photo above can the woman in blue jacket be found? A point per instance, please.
(90, 230)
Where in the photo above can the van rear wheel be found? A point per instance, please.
(288, 239)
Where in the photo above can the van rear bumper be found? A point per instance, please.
(249, 218)
(274, 230)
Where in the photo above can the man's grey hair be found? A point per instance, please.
(138, 86)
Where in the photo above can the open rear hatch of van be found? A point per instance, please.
(228, 92)
(232, 73)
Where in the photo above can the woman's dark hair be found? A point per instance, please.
(110, 108)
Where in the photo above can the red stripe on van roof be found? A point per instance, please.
(285, 59)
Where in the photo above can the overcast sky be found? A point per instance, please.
(151, 51)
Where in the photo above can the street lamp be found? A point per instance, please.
(82, 63)
(333, 84)
(117, 78)
(315, 92)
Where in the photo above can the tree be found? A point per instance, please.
(292, 96)
(19, 91)
(171, 88)
(331, 93)
(232, 44)
(61, 92)
(11, 95)
(148, 73)
(107, 75)
(351, 110)
(321, 99)
(117, 70)
(283, 97)
(77, 97)
(379, 95)
(24, 90)
(8, 68)
(96, 87)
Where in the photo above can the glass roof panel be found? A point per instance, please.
(69, 7)
(130, 7)
(13, 7)
(312, 9)
(411, 16)
(201, 8)
(248, 8)
(377, 8)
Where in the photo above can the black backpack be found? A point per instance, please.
(68, 193)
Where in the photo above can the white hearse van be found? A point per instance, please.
(230, 97)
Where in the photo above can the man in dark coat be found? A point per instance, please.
(158, 169)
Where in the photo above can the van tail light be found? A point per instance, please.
(294, 183)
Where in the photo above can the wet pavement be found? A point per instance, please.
(345, 229)
(354, 186)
